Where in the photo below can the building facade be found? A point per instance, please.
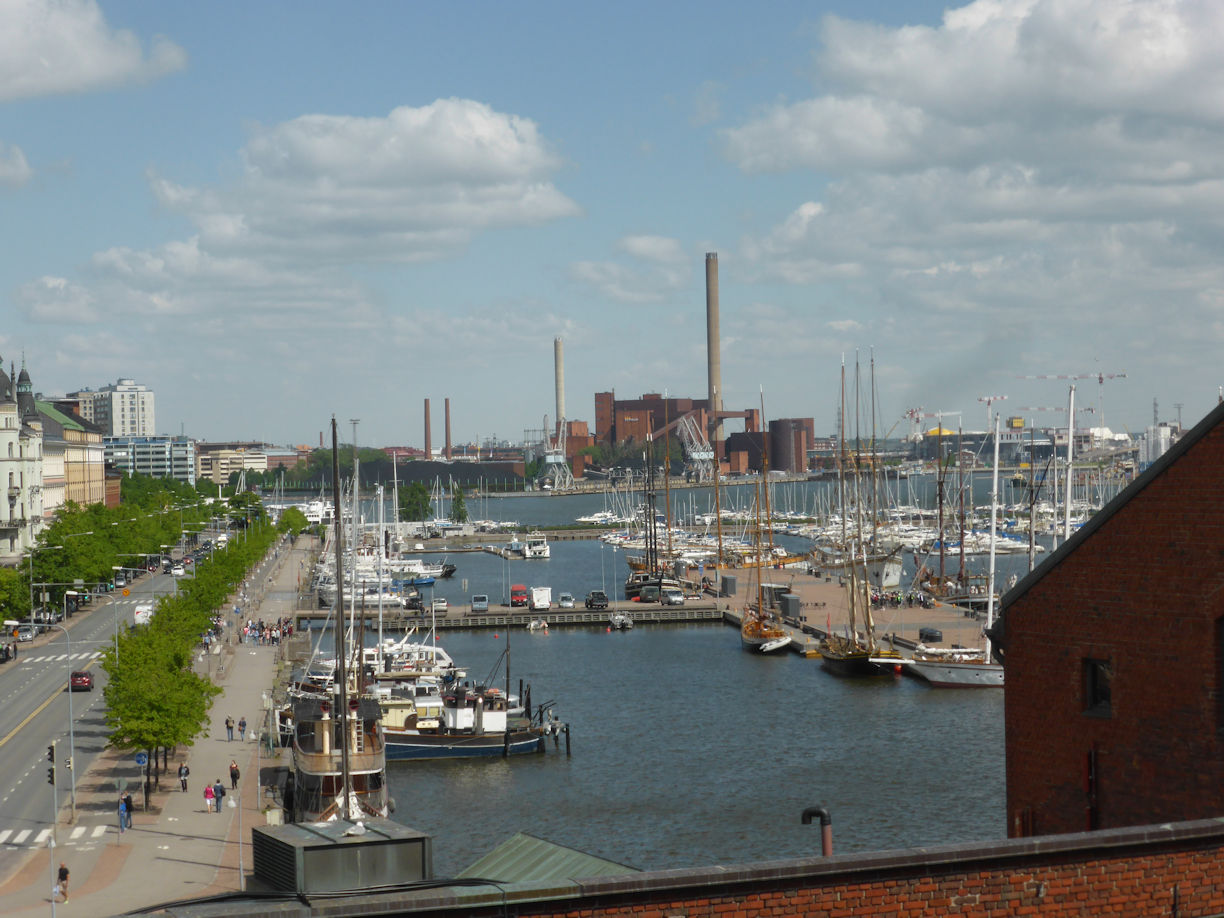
(1114, 657)
(82, 456)
(122, 409)
(158, 457)
(21, 463)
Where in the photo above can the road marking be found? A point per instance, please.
(98, 831)
(4, 835)
(77, 832)
(21, 836)
(41, 838)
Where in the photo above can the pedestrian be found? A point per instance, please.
(183, 772)
(122, 814)
(61, 881)
(229, 729)
(242, 728)
(233, 775)
(218, 794)
(209, 798)
(127, 808)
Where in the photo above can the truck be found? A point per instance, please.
(541, 598)
(518, 594)
(144, 613)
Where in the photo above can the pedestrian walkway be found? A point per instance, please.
(175, 849)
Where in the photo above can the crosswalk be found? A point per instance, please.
(37, 838)
(83, 657)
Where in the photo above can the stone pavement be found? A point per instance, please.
(175, 849)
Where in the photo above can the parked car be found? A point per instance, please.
(518, 594)
(480, 603)
(81, 681)
(648, 593)
(25, 632)
(565, 601)
(120, 581)
(597, 599)
(440, 605)
(670, 596)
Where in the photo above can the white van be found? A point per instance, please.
(144, 613)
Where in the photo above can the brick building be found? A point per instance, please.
(1114, 652)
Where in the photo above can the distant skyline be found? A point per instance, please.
(271, 213)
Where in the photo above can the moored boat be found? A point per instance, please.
(321, 731)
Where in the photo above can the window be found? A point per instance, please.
(1098, 678)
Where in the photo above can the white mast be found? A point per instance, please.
(381, 537)
(994, 504)
(1068, 490)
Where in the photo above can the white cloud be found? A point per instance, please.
(1042, 166)
(659, 266)
(14, 170)
(56, 300)
(49, 47)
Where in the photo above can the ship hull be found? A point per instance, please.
(401, 746)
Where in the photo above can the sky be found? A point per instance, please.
(279, 212)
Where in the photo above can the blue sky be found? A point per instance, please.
(271, 213)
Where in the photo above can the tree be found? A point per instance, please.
(292, 520)
(459, 512)
(415, 503)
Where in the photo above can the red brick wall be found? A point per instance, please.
(1142, 591)
(1157, 870)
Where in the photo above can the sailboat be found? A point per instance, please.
(759, 631)
(967, 667)
(852, 654)
(339, 756)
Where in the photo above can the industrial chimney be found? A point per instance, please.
(559, 373)
(447, 453)
(428, 441)
(713, 356)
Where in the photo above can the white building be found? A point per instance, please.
(124, 409)
(1155, 443)
(21, 510)
(158, 457)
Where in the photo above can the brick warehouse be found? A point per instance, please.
(1114, 654)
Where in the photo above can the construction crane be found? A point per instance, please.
(917, 414)
(556, 470)
(1099, 377)
(990, 400)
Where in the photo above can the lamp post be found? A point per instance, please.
(71, 734)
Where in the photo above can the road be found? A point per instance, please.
(34, 711)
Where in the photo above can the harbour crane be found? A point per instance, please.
(990, 400)
(1098, 376)
(917, 414)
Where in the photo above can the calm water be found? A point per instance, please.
(688, 751)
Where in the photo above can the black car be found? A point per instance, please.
(597, 599)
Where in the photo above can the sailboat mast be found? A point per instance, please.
(847, 549)
(765, 478)
(341, 653)
(994, 503)
(667, 477)
(1069, 489)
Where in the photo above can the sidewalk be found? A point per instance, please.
(175, 850)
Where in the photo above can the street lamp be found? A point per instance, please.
(71, 735)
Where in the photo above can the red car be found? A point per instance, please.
(81, 681)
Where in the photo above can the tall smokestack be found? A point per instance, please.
(713, 356)
(559, 372)
(428, 441)
(446, 405)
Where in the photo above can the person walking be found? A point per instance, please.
(218, 794)
(233, 775)
(183, 772)
(61, 881)
(229, 729)
(242, 729)
(127, 808)
(209, 797)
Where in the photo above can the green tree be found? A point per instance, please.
(292, 520)
(459, 513)
(415, 503)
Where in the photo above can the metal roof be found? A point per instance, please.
(524, 858)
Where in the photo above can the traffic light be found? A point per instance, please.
(68, 763)
(51, 753)
(51, 776)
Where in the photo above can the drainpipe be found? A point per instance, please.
(826, 827)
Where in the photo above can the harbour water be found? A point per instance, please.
(687, 751)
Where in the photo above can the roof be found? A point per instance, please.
(64, 420)
(1106, 513)
(523, 858)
